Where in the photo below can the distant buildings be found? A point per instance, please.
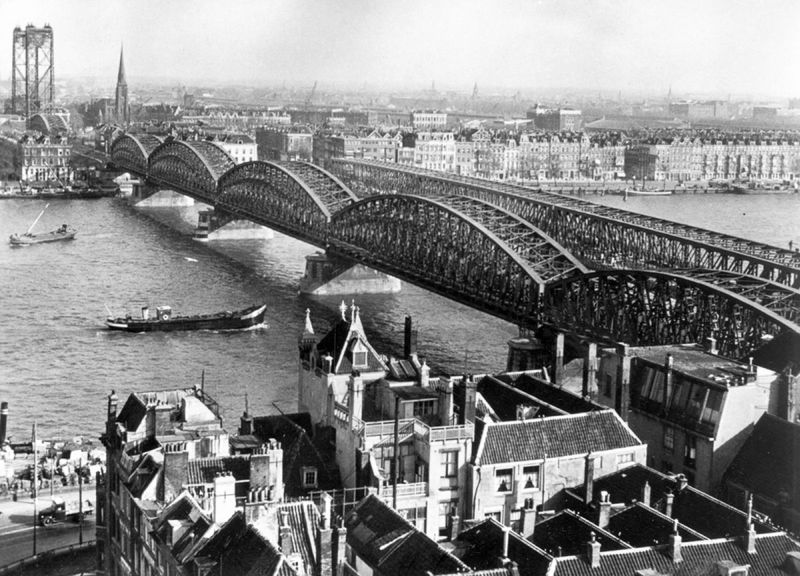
(241, 147)
(428, 120)
(556, 120)
(294, 143)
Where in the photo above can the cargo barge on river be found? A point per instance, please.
(164, 321)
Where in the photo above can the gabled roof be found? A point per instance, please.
(503, 400)
(553, 437)
(483, 548)
(547, 392)
(183, 511)
(252, 555)
(640, 525)
(695, 509)
(769, 461)
(204, 470)
(566, 533)
(339, 342)
(699, 558)
(303, 518)
(390, 545)
(143, 475)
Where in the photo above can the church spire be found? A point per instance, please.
(121, 73)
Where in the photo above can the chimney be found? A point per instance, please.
(604, 509)
(506, 535)
(176, 462)
(711, 345)
(327, 364)
(446, 403)
(588, 484)
(590, 371)
(683, 482)
(163, 421)
(623, 381)
(409, 339)
(3, 421)
(750, 540)
(675, 544)
(667, 383)
(339, 550)
(470, 394)
(325, 538)
(224, 497)
(285, 540)
(670, 498)
(111, 418)
(558, 369)
(245, 424)
(528, 521)
(646, 493)
(593, 551)
(424, 374)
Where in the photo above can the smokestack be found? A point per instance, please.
(3, 421)
(410, 339)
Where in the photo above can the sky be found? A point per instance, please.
(740, 47)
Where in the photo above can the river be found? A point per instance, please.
(59, 361)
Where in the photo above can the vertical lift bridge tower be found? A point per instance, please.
(32, 80)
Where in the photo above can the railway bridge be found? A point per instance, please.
(530, 257)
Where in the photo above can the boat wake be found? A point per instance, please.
(188, 259)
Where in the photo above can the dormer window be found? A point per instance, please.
(359, 355)
(309, 477)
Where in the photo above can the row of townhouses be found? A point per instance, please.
(389, 469)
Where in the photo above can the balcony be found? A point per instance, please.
(414, 489)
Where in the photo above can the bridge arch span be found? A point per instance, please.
(442, 249)
(275, 195)
(130, 152)
(649, 307)
(192, 168)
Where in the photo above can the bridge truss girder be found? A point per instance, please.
(647, 307)
(274, 196)
(185, 169)
(131, 152)
(600, 236)
(440, 249)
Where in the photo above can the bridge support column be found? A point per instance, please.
(215, 225)
(327, 275)
(525, 352)
(622, 395)
(558, 366)
(590, 371)
(148, 196)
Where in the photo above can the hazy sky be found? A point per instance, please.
(715, 46)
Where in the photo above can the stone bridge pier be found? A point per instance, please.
(216, 224)
(327, 274)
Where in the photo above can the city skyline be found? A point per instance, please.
(714, 47)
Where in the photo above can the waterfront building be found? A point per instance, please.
(122, 110)
(428, 120)
(556, 120)
(692, 407)
(435, 151)
(457, 453)
(241, 147)
(294, 143)
(43, 159)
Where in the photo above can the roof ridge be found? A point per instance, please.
(559, 416)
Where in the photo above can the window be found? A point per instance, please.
(690, 451)
(449, 464)
(359, 358)
(309, 477)
(623, 459)
(669, 439)
(423, 408)
(502, 480)
(608, 386)
(530, 478)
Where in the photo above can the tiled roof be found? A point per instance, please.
(769, 461)
(484, 546)
(204, 470)
(697, 510)
(338, 343)
(418, 555)
(251, 555)
(555, 437)
(142, 476)
(774, 354)
(566, 533)
(231, 531)
(303, 519)
(699, 558)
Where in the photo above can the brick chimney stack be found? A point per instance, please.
(593, 551)
(675, 544)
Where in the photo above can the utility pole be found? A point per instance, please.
(34, 491)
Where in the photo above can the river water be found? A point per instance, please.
(59, 361)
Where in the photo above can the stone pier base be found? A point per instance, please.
(325, 277)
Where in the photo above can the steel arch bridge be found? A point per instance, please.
(468, 250)
(191, 168)
(526, 256)
(600, 236)
(131, 152)
(295, 198)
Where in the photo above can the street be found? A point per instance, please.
(16, 527)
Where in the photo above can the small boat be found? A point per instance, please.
(65, 232)
(634, 192)
(164, 321)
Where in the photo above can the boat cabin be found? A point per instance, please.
(164, 312)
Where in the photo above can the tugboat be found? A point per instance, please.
(65, 232)
(164, 321)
